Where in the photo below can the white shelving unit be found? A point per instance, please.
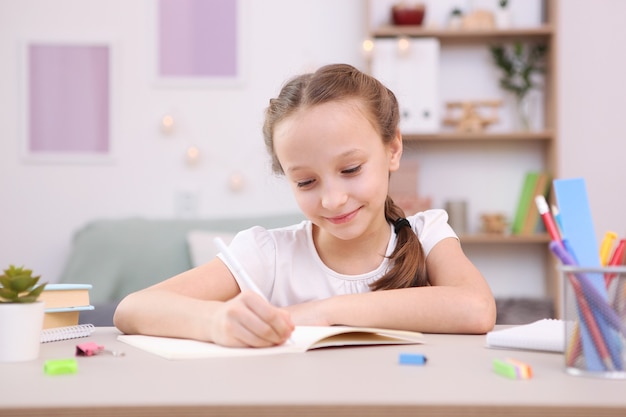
(487, 169)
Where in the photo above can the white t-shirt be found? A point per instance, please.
(285, 266)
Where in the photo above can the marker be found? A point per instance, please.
(548, 221)
(616, 260)
(605, 247)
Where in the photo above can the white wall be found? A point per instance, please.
(42, 205)
(592, 92)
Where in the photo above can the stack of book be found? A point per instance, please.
(63, 304)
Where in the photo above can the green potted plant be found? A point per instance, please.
(21, 315)
(518, 64)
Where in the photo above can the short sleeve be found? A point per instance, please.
(431, 227)
(255, 250)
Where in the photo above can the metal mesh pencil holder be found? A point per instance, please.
(594, 312)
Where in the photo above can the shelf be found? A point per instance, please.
(490, 35)
(476, 137)
(482, 238)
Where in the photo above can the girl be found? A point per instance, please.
(356, 261)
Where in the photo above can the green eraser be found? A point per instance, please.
(504, 368)
(60, 366)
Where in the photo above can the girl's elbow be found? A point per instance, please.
(484, 317)
(121, 316)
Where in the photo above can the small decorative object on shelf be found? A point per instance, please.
(503, 15)
(494, 223)
(478, 20)
(519, 63)
(406, 14)
(456, 19)
(470, 120)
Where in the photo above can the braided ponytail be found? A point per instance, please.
(408, 261)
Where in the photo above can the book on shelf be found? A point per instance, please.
(544, 335)
(303, 338)
(526, 220)
(532, 221)
(524, 201)
(63, 304)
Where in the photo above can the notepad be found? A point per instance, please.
(544, 335)
(303, 338)
(66, 332)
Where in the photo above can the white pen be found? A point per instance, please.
(240, 271)
(234, 263)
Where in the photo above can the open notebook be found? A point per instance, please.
(303, 338)
(545, 335)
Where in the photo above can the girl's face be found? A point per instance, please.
(338, 167)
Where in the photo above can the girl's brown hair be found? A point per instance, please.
(340, 82)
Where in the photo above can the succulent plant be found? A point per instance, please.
(18, 285)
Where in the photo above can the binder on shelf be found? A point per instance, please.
(411, 70)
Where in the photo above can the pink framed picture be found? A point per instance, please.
(66, 95)
(198, 42)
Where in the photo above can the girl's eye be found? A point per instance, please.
(353, 170)
(304, 184)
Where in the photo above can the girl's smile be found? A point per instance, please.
(345, 218)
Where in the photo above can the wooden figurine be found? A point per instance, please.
(494, 223)
(470, 119)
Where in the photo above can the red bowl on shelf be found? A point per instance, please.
(402, 14)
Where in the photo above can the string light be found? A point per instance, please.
(167, 124)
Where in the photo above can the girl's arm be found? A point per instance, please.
(204, 303)
(458, 300)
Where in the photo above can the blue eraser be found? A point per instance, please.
(412, 359)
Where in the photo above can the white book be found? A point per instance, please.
(303, 338)
(544, 335)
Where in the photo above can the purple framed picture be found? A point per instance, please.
(66, 96)
(198, 42)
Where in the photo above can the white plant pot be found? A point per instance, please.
(20, 331)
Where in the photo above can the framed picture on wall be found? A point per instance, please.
(66, 101)
(197, 42)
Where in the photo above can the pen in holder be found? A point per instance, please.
(595, 320)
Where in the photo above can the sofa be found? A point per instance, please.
(120, 256)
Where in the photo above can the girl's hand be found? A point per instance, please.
(248, 320)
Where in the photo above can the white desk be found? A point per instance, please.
(361, 381)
